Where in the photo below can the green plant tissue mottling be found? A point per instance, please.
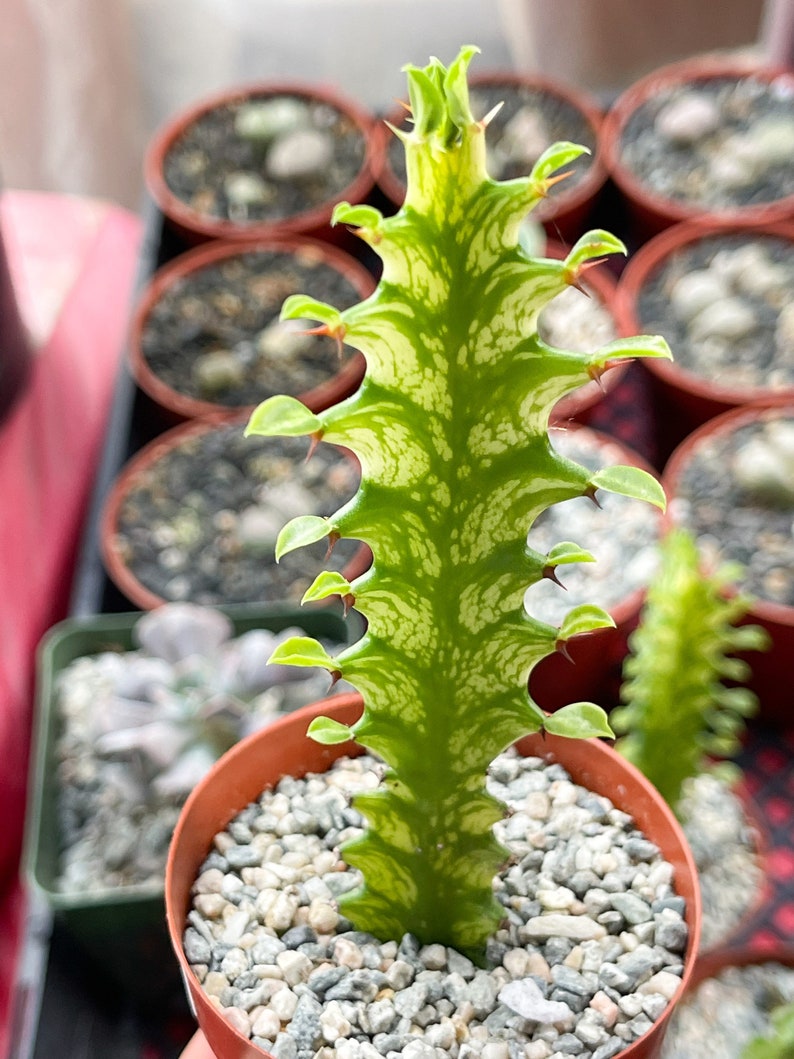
(451, 428)
(678, 714)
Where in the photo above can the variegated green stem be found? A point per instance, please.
(678, 712)
(450, 426)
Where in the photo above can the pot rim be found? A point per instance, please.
(204, 256)
(647, 261)
(761, 609)
(700, 68)
(206, 227)
(564, 201)
(118, 570)
(203, 811)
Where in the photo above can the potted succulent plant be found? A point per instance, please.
(534, 112)
(450, 426)
(730, 484)
(681, 722)
(709, 137)
(260, 161)
(194, 515)
(205, 337)
(131, 710)
(721, 296)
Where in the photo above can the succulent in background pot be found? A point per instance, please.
(681, 722)
(194, 516)
(451, 429)
(131, 709)
(206, 339)
(710, 138)
(262, 160)
(723, 297)
(730, 485)
(535, 113)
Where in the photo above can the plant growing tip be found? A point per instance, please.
(450, 426)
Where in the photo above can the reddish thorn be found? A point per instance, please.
(551, 573)
(336, 676)
(406, 106)
(313, 443)
(561, 647)
(548, 183)
(348, 601)
(323, 329)
(543, 734)
(590, 493)
(333, 537)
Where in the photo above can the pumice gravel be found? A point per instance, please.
(589, 955)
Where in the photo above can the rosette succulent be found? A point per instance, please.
(451, 428)
(679, 714)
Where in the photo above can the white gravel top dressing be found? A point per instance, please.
(590, 953)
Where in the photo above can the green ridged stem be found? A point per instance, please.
(451, 428)
(678, 713)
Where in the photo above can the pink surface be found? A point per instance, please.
(49, 447)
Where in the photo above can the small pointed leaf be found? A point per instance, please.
(426, 101)
(631, 481)
(327, 583)
(555, 157)
(568, 552)
(456, 88)
(329, 732)
(282, 416)
(580, 720)
(592, 245)
(585, 618)
(302, 651)
(301, 306)
(300, 531)
(639, 346)
(360, 216)
(749, 638)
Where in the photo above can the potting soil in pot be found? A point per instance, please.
(620, 532)
(264, 158)
(202, 522)
(138, 729)
(725, 848)
(720, 142)
(215, 334)
(736, 494)
(728, 1011)
(529, 121)
(726, 306)
(589, 957)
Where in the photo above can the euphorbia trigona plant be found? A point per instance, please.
(451, 428)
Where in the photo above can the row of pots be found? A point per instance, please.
(720, 295)
(719, 124)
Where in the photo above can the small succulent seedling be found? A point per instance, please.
(678, 713)
(451, 428)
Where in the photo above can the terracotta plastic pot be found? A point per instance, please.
(260, 761)
(177, 405)
(684, 400)
(592, 670)
(771, 670)
(581, 404)
(196, 227)
(650, 210)
(141, 466)
(565, 211)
